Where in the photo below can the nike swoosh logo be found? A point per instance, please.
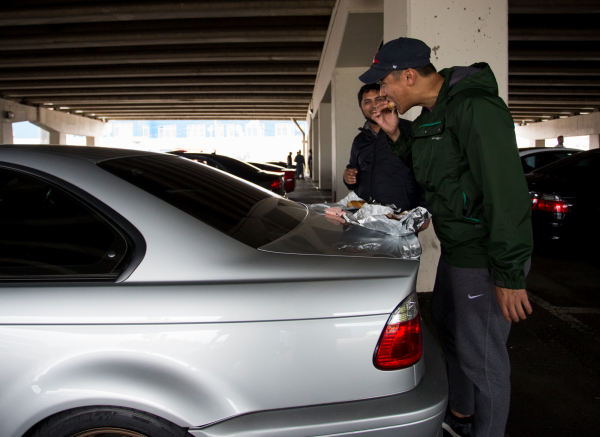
(473, 297)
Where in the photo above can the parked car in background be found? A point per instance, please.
(269, 180)
(565, 197)
(290, 174)
(282, 164)
(148, 295)
(533, 158)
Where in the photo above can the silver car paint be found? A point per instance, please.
(179, 338)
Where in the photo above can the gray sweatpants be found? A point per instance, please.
(473, 335)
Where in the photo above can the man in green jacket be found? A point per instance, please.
(464, 154)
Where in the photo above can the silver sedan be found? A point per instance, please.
(144, 294)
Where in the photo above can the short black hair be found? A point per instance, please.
(366, 88)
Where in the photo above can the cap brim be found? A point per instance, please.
(373, 75)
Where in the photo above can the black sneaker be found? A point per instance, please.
(455, 426)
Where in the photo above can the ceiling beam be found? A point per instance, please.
(285, 117)
(553, 54)
(280, 89)
(248, 80)
(554, 69)
(583, 100)
(522, 90)
(243, 69)
(249, 54)
(550, 81)
(553, 7)
(173, 98)
(180, 37)
(553, 34)
(158, 10)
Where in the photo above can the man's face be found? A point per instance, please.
(370, 99)
(396, 91)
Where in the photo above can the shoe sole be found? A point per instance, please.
(450, 430)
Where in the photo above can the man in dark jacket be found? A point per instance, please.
(374, 172)
(464, 153)
(299, 160)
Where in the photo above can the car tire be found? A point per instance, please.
(106, 422)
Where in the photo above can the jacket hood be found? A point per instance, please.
(478, 75)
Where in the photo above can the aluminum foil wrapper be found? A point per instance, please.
(374, 217)
(407, 246)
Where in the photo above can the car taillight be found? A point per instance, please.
(548, 203)
(401, 342)
(276, 184)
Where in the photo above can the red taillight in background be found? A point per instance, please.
(548, 203)
(276, 184)
(401, 343)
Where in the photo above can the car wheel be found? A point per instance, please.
(106, 422)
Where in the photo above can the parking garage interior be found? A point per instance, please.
(70, 66)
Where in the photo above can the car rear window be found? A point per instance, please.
(582, 165)
(231, 205)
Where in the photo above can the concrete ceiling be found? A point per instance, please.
(554, 58)
(251, 59)
(156, 59)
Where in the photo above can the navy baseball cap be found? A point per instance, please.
(398, 54)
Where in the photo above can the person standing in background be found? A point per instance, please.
(289, 160)
(299, 160)
(561, 141)
(374, 172)
(310, 162)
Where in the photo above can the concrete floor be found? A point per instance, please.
(555, 353)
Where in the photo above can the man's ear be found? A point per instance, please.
(410, 75)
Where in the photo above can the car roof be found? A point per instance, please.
(93, 154)
(530, 150)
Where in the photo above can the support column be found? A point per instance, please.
(58, 138)
(594, 141)
(325, 146)
(6, 133)
(540, 143)
(347, 118)
(90, 141)
(314, 132)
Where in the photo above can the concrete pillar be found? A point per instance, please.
(90, 141)
(461, 32)
(314, 132)
(540, 143)
(594, 141)
(347, 118)
(325, 146)
(6, 133)
(58, 138)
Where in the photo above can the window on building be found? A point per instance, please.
(255, 129)
(123, 129)
(146, 131)
(285, 130)
(220, 130)
(231, 130)
(167, 131)
(196, 131)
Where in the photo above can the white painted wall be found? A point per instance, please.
(347, 118)
(587, 124)
(325, 140)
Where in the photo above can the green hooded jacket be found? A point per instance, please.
(464, 153)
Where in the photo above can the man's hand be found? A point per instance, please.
(513, 303)
(387, 120)
(350, 176)
(424, 226)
